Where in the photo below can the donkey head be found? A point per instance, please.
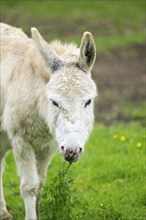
(71, 93)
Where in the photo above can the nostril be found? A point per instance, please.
(62, 148)
(80, 149)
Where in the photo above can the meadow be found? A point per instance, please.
(108, 182)
(109, 176)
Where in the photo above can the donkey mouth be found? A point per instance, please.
(71, 159)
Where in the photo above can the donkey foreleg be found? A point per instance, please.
(43, 161)
(4, 147)
(26, 163)
(4, 214)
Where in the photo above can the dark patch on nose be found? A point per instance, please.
(62, 148)
(70, 156)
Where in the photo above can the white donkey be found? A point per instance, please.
(47, 99)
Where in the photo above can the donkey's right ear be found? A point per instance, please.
(51, 58)
(87, 52)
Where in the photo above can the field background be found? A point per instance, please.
(110, 175)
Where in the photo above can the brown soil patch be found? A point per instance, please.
(120, 77)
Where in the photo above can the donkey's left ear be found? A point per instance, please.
(87, 52)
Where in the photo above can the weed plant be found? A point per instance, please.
(59, 200)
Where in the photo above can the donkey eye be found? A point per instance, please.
(54, 103)
(87, 103)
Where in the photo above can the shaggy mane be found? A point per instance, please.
(65, 50)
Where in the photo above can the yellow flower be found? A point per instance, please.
(139, 145)
(123, 138)
(115, 136)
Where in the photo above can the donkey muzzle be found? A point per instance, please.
(71, 154)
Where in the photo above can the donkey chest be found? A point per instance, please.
(36, 133)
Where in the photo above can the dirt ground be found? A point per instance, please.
(120, 78)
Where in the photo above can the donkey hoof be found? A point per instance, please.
(5, 215)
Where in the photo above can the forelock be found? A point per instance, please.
(70, 81)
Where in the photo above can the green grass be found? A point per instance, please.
(113, 23)
(129, 110)
(109, 176)
(125, 111)
(95, 9)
